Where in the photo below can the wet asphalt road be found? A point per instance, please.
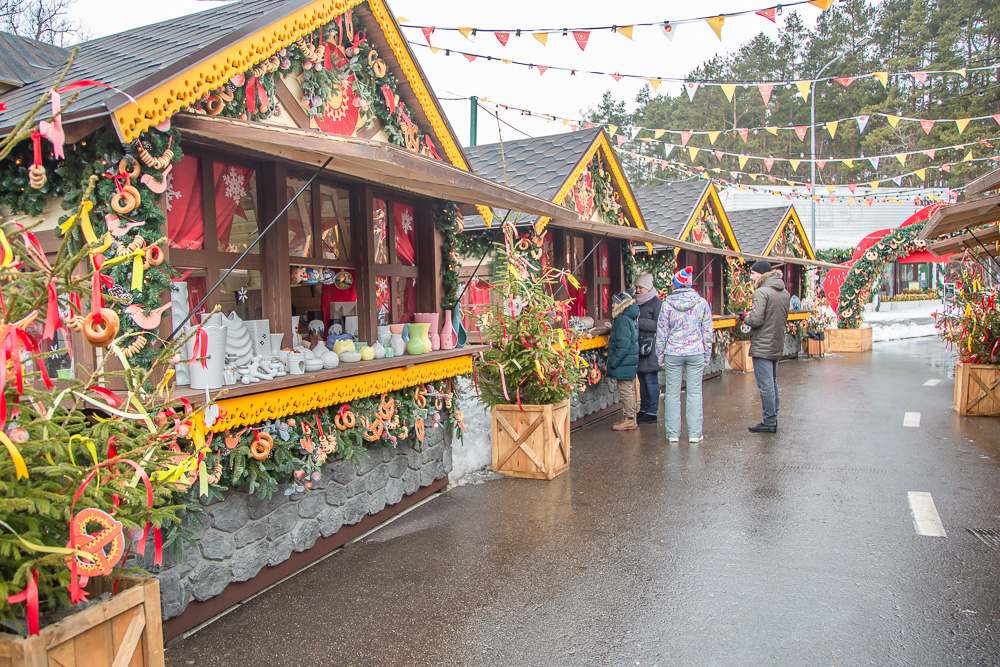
(793, 549)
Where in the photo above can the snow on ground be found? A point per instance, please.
(915, 322)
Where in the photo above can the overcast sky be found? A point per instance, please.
(648, 53)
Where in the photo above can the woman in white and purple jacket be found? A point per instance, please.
(683, 345)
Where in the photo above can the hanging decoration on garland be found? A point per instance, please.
(971, 327)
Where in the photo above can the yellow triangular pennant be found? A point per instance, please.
(883, 78)
(893, 120)
(743, 161)
(968, 157)
(465, 32)
(693, 152)
(795, 164)
(831, 127)
(658, 133)
(716, 23)
(822, 4)
(612, 129)
(772, 130)
(655, 83)
(729, 89)
(901, 157)
(848, 163)
(962, 123)
(435, 49)
(712, 136)
(959, 71)
(804, 88)
(919, 173)
(542, 37)
(830, 188)
(626, 31)
(874, 185)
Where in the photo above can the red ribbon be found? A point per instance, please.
(108, 395)
(36, 143)
(29, 595)
(200, 350)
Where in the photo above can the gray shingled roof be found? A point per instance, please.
(128, 59)
(754, 227)
(667, 208)
(25, 60)
(537, 166)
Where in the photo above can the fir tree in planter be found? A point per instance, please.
(532, 366)
(87, 476)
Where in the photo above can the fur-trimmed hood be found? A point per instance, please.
(620, 308)
(778, 283)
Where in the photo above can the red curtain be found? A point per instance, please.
(197, 289)
(184, 226)
(577, 299)
(332, 293)
(185, 221)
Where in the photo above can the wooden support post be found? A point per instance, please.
(430, 286)
(616, 269)
(590, 275)
(363, 239)
(276, 290)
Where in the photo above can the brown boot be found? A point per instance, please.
(626, 424)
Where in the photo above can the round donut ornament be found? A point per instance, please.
(260, 449)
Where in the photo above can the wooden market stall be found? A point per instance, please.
(292, 154)
(776, 233)
(972, 228)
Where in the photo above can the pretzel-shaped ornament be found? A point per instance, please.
(260, 449)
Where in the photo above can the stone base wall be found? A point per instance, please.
(243, 534)
(594, 398)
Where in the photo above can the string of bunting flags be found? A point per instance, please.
(581, 35)
(691, 86)
(874, 185)
(801, 131)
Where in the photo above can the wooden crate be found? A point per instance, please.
(738, 356)
(123, 630)
(533, 442)
(849, 340)
(977, 389)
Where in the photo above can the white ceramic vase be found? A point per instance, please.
(207, 374)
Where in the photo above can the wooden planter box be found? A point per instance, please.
(849, 340)
(533, 442)
(977, 389)
(817, 348)
(123, 630)
(738, 356)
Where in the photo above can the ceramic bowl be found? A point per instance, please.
(314, 365)
(350, 357)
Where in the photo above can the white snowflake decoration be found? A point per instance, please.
(604, 263)
(242, 295)
(407, 221)
(235, 187)
(171, 194)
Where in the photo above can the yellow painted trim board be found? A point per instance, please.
(712, 195)
(790, 214)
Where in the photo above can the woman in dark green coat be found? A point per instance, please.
(623, 354)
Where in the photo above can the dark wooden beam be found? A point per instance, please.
(363, 238)
(276, 290)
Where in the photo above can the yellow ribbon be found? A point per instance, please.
(83, 217)
(137, 272)
(48, 550)
(8, 254)
(87, 442)
(15, 454)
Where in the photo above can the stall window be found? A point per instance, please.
(395, 259)
(300, 225)
(335, 221)
(241, 293)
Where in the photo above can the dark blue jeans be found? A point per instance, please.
(766, 372)
(649, 391)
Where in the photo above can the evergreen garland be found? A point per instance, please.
(868, 270)
(661, 265)
(102, 153)
(835, 255)
(448, 220)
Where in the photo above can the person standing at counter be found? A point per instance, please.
(767, 321)
(623, 355)
(649, 368)
(684, 339)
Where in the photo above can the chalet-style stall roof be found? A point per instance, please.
(969, 225)
(580, 172)
(776, 233)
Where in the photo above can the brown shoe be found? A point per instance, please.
(625, 425)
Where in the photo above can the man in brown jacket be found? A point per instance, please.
(767, 320)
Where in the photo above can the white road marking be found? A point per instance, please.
(911, 419)
(925, 517)
(933, 382)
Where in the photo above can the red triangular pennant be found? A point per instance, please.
(502, 37)
(685, 137)
(800, 132)
(767, 13)
(765, 92)
(718, 154)
(581, 37)
(851, 188)
(845, 81)
(428, 31)
(820, 163)
(616, 77)
(743, 132)
(469, 57)
(768, 163)
(927, 125)
(541, 69)
(946, 167)
(930, 152)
